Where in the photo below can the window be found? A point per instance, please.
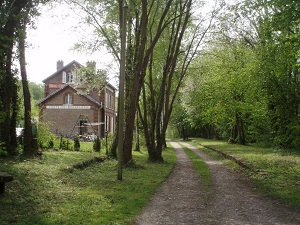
(112, 124)
(106, 100)
(112, 102)
(69, 78)
(109, 101)
(68, 99)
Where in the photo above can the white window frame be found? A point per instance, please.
(69, 77)
(64, 77)
(68, 99)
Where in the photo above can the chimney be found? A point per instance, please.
(59, 64)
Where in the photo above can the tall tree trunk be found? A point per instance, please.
(241, 130)
(27, 143)
(143, 50)
(137, 81)
(13, 120)
(9, 91)
(137, 134)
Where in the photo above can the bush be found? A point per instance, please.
(76, 143)
(44, 135)
(3, 151)
(51, 143)
(65, 143)
(97, 144)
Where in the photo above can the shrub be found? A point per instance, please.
(76, 143)
(3, 151)
(51, 143)
(97, 144)
(44, 135)
(65, 143)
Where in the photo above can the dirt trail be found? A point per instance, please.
(180, 199)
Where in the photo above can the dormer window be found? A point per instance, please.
(68, 99)
(69, 77)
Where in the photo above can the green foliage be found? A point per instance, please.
(97, 144)
(180, 122)
(3, 151)
(246, 85)
(280, 68)
(50, 144)
(228, 93)
(90, 196)
(65, 144)
(44, 135)
(36, 91)
(76, 143)
(92, 78)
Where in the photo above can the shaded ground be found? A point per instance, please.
(180, 200)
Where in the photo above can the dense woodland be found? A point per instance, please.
(229, 72)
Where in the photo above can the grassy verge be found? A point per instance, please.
(279, 174)
(43, 192)
(203, 172)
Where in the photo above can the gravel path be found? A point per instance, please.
(180, 199)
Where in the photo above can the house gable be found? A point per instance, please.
(64, 75)
(66, 102)
(57, 77)
(58, 98)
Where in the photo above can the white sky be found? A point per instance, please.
(52, 40)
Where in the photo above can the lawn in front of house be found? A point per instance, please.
(44, 191)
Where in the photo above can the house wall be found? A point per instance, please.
(66, 121)
(53, 84)
(63, 120)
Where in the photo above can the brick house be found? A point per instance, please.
(68, 109)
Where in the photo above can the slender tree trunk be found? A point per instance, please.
(134, 91)
(14, 114)
(137, 134)
(7, 93)
(27, 143)
(241, 130)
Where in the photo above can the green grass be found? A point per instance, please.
(279, 174)
(203, 172)
(44, 192)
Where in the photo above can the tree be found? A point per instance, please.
(228, 100)
(156, 101)
(277, 25)
(172, 56)
(145, 31)
(146, 22)
(15, 16)
(28, 147)
(9, 23)
(280, 67)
